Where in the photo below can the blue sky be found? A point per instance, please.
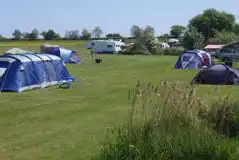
(110, 15)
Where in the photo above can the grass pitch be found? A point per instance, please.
(59, 124)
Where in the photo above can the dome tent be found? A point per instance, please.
(21, 72)
(17, 51)
(218, 74)
(194, 59)
(68, 56)
(42, 47)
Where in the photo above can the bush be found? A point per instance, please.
(136, 49)
(224, 115)
(167, 122)
(154, 51)
(169, 51)
(157, 51)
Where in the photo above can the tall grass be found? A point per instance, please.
(169, 122)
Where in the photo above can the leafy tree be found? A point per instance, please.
(51, 34)
(224, 37)
(149, 32)
(236, 28)
(135, 31)
(26, 35)
(97, 32)
(165, 35)
(17, 34)
(2, 37)
(113, 35)
(43, 33)
(145, 41)
(85, 34)
(72, 35)
(192, 39)
(31, 35)
(177, 31)
(34, 34)
(212, 20)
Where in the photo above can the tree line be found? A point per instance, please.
(53, 35)
(211, 26)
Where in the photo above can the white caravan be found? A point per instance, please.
(106, 46)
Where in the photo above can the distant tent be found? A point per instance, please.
(21, 72)
(42, 47)
(17, 51)
(68, 56)
(194, 59)
(218, 74)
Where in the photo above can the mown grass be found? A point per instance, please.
(70, 124)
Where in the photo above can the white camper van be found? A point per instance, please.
(106, 46)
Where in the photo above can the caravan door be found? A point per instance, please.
(109, 47)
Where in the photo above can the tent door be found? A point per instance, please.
(186, 59)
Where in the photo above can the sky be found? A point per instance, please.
(110, 15)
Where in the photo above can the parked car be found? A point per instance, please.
(227, 54)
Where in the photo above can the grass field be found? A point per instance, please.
(59, 124)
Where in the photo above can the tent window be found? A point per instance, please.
(2, 71)
(186, 58)
(21, 68)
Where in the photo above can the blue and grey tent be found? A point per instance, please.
(68, 56)
(218, 74)
(21, 72)
(194, 59)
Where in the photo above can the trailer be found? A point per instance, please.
(106, 46)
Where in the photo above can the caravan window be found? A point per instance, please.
(226, 50)
(109, 46)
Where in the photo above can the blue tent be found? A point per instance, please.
(218, 74)
(66, 55)
(193, 59)
(21, 72)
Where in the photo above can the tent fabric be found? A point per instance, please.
(17, 51)
(218, 74)
(43, 46)
(21, 72)
(66, 55)
(193, 59)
